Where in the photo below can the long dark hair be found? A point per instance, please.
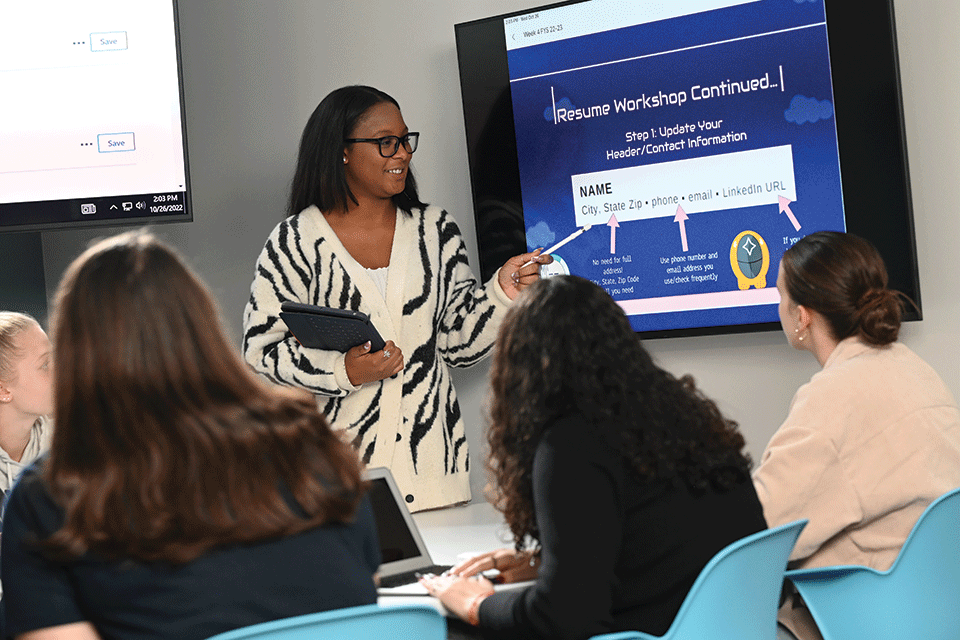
(166, 444)
(319, 178)
(842, 277)
(566, 348)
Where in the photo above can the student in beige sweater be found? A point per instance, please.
(873, 438)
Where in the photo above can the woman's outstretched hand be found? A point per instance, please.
(516, 273)
(363, 366)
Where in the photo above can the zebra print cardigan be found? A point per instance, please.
(434, 310)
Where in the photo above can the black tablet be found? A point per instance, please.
(328, 328)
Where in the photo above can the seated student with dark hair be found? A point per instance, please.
(624, 479)
(182, 497)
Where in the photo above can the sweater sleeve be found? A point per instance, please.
(801, 476)
(578, 511)
(472, 313)
(284, 272)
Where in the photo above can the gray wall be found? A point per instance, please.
(255, 70)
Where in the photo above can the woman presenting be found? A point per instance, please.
(874, 437)
(359, 238)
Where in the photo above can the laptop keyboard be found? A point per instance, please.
(409, 577)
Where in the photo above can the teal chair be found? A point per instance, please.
(399, 622)
(917, 597)
(736, 595)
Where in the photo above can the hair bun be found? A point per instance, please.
(880, 312)
(873, 298)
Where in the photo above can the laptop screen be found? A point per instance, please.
(396, 541)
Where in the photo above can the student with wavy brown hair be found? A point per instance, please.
(874, 437)
(182, 497)
(618, 480)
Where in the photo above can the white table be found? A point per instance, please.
(475, 527)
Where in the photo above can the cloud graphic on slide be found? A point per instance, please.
(564, 103)
(803, 110)
(539, 235)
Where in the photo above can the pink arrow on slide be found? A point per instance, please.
(613, 224)
(785, 208)
(682, 218)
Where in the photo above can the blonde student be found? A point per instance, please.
(26, 396)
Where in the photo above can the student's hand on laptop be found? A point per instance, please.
(459, 595)
(514, 566)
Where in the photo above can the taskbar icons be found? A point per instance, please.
(90, 208)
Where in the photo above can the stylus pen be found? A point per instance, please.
(570, 237)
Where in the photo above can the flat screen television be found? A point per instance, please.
(92, 124)
(680, 147)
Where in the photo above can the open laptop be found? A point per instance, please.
(402, 549)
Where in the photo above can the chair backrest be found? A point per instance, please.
(917, 597)
(934, 542)
(400, 622)
(737, 594)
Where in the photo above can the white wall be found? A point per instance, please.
(255, 70)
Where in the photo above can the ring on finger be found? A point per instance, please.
(493, 559)
(386, 354)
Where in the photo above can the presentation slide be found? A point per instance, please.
(677, 150)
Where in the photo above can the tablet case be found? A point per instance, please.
(328, 328)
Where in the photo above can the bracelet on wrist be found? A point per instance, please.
(473, 608)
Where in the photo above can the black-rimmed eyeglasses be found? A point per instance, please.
(389, 145)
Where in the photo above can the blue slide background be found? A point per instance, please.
(794, 38)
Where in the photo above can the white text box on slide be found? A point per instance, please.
(699, 185)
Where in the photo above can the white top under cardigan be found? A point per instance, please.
(434, 310)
